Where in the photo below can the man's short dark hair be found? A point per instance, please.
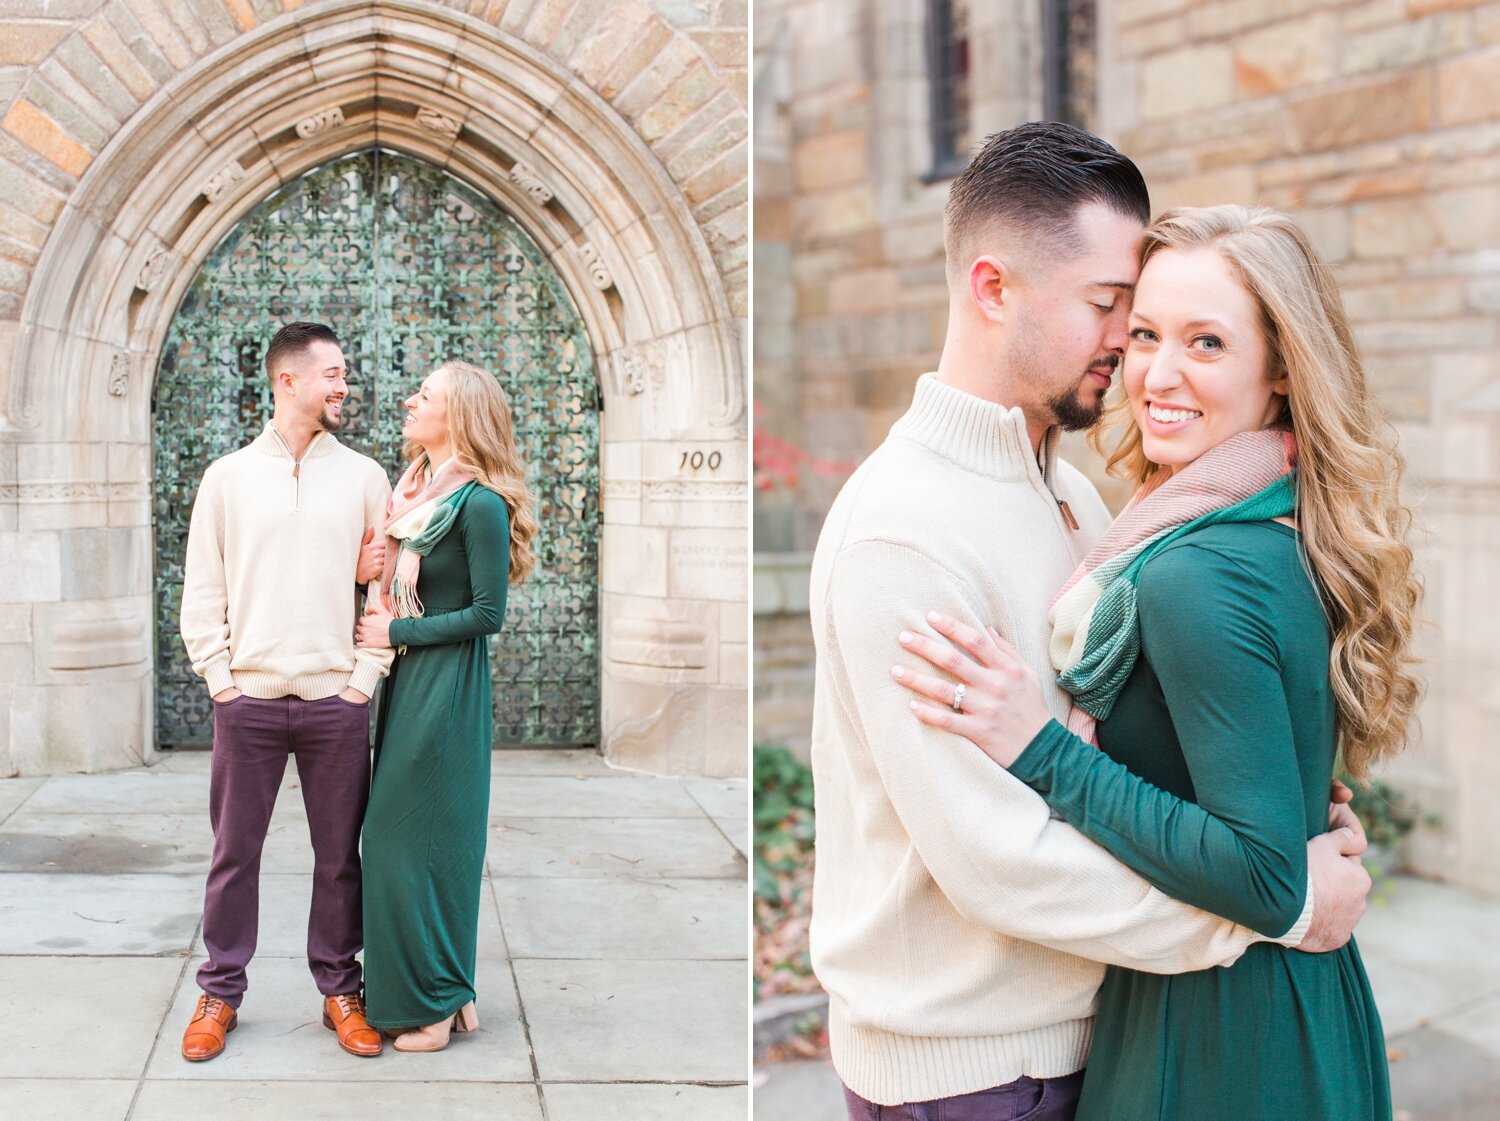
(294, 339)
(1032, 179)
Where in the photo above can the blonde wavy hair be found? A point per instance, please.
(1353, 524)
(484, 438)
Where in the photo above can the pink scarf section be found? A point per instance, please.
(412, 490)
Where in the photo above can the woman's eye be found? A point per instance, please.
(1210, 344)
(1143, 335)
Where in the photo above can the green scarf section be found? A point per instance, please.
(1113, 640)
(403, 591)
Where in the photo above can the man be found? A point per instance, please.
(958, 927)
(268, 612)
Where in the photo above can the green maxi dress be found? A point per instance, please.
(1213, 774)
(425, 828)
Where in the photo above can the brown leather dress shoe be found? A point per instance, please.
(345, 1014)
(211, 1022)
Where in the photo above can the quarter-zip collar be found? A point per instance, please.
(976, 434)
(273, 443)
(983, 437)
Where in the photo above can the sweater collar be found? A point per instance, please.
(976, 434)
(271, 443)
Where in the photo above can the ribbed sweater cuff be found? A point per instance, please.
(891, 1069)
(217, 677)
(1293, 938)
(365, 678)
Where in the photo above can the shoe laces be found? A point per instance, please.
(212, 1006)
(349, 1003)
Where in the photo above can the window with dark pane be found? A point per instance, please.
(1068, 62)
(948, 70)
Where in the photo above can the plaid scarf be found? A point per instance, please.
(1096, 636)
(420, 512)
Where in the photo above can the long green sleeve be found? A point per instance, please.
(484, 525)
(1236, 844)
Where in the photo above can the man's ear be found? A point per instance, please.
(991, 286)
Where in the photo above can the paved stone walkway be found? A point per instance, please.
(1430, 951)
(612, 972)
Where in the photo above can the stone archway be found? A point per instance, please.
(527, 133)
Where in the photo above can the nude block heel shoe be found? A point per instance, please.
(434, 1037)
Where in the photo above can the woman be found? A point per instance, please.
(459, 529)
(1250, 611)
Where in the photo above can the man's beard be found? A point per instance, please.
(331, 423)
(1073, 414)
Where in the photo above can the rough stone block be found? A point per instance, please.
(1286, 55)
(101, 35)
(243, 14)
(1394, 228)
(166, 36)
(625, 25)
(36, 567)
(104, 563)
(84, 63)
(189, 25)
(633, 559)
(1469, 89)
(830, 161)
(1361, 113)
(1469, 219)
(27, 42)
(685, 13)
(680, 101)
(1186, 81)
(1412, 300)
(139, 41)
(709, 564)
(77, 111)
(43, 135)
(1409, 43)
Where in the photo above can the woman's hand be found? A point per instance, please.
(374, 629)
(1002, 708)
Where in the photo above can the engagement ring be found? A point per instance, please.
(958, 696)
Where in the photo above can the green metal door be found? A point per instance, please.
(410, 267)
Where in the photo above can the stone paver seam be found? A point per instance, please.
(166, 1019)
(17, 807)
(510, 964)
(715, 823)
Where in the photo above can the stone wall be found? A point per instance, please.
(1377, 123)
(136, 133)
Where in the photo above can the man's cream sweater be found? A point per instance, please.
(957, 927)
(268, 587)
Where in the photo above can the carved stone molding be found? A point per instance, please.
(153, 268)
(530, 182)
(231, 174)
(635, 368)
(324, 120)
(708, 490)
(119, 374)
(659, 643)
(64, 491)
(597, 272)
(440, 123)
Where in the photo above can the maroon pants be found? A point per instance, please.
(1025, 1099)
(252, 739)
